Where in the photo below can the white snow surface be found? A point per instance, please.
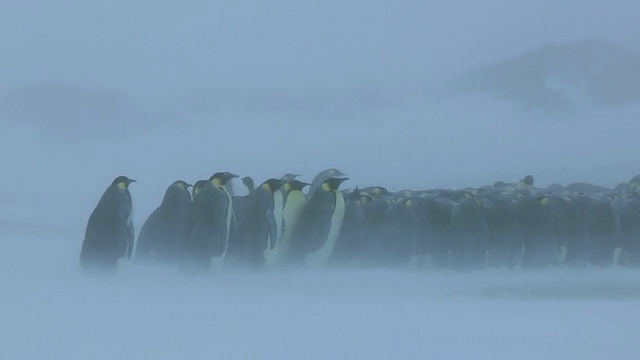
(51, 310)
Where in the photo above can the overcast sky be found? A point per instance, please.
(409, 94)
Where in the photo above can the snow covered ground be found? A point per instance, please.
(50, 310)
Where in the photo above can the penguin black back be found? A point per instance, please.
(162, 233)
(109, 234)
(203, 229)
(315, 222)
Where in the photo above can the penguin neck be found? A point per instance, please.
(217, 183)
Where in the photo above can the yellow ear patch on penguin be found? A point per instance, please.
(544, 201)
(122, 185)
(326, 187)
(266, 187)
(216, 182)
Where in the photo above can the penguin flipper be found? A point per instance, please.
(272, 228)
(130, 237)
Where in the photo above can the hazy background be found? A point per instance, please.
(409, 94)
(415, 94)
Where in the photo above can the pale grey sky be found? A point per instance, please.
(158, 91)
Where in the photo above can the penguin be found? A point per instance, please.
(376, 191)
(293, 204)
(289, 177)
(540, 245)
(220, 181)
(162, 233)
(201, 235)
(208, 225)
(319, 224)
(404, 242)
(506, 243)
(248, 182)
(322, 176)
(241, 206)
(630, 229)
(258, 229)
(434, 215)
(376, 234)
(278, 207)
(109, 235)
(526, 185)
(349, 243)
(469, 236)
(605, 245)
(577, 244)
(563, 220)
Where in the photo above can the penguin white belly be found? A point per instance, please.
(320, 257)
(218, 261)
(288, 219)
(278, 207)
(290, 215)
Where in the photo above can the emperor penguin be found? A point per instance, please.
(207, 227)
(322, 176)
(289, 177)
(258, 229)
(293, 202)
(526, 185)
(220, 181)
(248, 182)
(162, 233)
(319, 224)
(200, 236)
(109, 235)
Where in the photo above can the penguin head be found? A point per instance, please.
(354, 195)
(122, 182)
(198, 186)
(376, 190)
(182, 184)
(332, 184)
(289, 177)
(528, 180)
(221, 178)
(365, 198)
(272, 184)
(405, 193)
(335, 172)
(247, 181)
(332, 172)
(296, 185)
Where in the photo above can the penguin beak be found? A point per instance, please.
(132, 181)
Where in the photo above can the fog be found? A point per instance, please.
(415, 95)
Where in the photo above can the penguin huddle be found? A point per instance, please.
(277, 225)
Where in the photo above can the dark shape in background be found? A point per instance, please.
(213, 103)
(554, 80)
(64, 109)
